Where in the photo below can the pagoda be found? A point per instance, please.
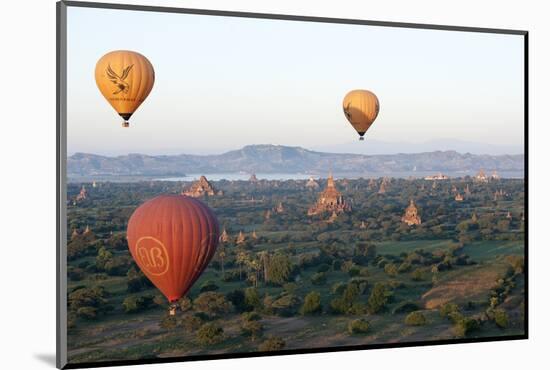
(87, 230)
(382, 189)
(509, 216)
(363, 225)
(75, 234)
(82, 195)
(330, 200)
(241, 238)
(200, 188)
(253, 178)
(481, 177)
(495, 176)
(224, 237)
(254, 235)
(437, 177)
(459, 197)
(267, 215)
(312, 184)
(474, 217)
(372, 184)
(467, 190)
(279, 208)
(411, 216)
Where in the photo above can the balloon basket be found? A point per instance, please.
(361, 138)
(172, 309)
(125, 124)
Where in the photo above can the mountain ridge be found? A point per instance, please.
(267, 158)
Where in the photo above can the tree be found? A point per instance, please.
(252, 299)
(312, 304)
(272, 344)
(358, 326)
(135, 304)
(286, 305)
(280, 269)
(251, 328)
(378, 298)
(209, 334)
(415, 318)
(501, 318)
(237, 298)
(212, 303)
(103, 256)
(465, 326)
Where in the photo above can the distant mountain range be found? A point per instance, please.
(285, 159)
(383, 147)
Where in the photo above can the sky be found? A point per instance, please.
(223, 83)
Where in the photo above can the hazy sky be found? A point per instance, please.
(222, 83)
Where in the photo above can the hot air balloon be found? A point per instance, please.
(125, 78)
(361, 108)
(172, 239)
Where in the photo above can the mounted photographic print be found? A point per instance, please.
(238, 184)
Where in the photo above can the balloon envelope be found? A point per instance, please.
(172, 238)
(125, 78)
(361, 109)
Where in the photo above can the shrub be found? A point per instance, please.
(135, 304)
(272, 344)
(417, 275)
(185, 304)
(212, 304)
(415, 318)
(209, 334)
(404, 267)
(285, 305)
(501, 318)
(338, 288)
(250, 316)
(465, 326)
(378, 298)
(87, 313)
(252, 299)
(312, 304)
(251, 328)
(390, 269)
(191, 322)
(237, 298)
(354, 270)
(358, 326)
(447, 309)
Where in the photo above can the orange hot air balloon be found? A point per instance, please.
(125, 78)
(172, 239)
(361, 109)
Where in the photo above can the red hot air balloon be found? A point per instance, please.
(172, 239)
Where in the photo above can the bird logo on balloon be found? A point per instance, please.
(119, 81)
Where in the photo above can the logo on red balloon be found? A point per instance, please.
(152, 255)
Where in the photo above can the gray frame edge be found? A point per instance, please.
(288, 17)
(61, 193)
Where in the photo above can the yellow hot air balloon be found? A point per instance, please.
(125, 78)
(361, 109)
